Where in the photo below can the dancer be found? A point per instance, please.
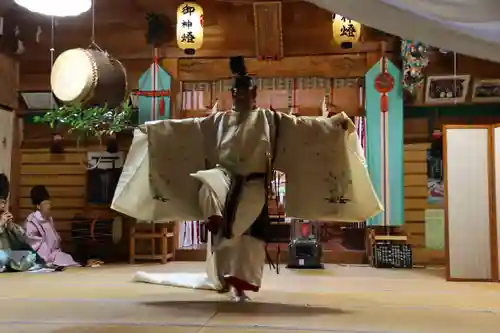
(41, 233)
(231, 155)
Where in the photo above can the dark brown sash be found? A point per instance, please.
(233, 198)
(238, 181)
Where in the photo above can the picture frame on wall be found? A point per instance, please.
(486, 91)
(447, 89)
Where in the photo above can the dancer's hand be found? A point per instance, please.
(214, 223)
(345, 125)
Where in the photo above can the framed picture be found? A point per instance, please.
(447, 89)
(486, 91)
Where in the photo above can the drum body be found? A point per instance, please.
(89, 77)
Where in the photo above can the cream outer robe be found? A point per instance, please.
(326, 177)
(320, 165)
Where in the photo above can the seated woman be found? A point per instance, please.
(41, 233)
(15, 253)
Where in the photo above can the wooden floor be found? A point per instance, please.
(338, 299)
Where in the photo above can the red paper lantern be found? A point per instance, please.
(384, 83)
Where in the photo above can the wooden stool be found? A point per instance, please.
(152, 232)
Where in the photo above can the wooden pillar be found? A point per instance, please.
(384, 138)
(9, 83)
(172, 67)
(372, 58)
(15, 168)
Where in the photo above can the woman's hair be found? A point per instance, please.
(4, 187)
(240, 75)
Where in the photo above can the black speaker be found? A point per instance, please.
(305, 253)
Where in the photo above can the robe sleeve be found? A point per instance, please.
(16, 228)
(35, 239)
(325, 178)
(13, 227)
(178, 149)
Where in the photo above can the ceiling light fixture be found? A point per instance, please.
(60, 8)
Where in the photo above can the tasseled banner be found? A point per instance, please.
(162, 106)
(384, 103)
(360, 124)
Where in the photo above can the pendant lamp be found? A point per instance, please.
(59, 8)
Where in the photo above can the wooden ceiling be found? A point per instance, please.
(120, 27)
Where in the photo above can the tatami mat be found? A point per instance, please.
(341, 300)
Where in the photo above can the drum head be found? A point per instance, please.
(72, 76)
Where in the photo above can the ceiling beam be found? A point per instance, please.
(5, 6)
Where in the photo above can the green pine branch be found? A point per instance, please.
(93, 121)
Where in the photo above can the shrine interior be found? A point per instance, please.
(80, 82)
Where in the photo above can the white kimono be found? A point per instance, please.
(174, 161)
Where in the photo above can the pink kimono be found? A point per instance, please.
(44, 239)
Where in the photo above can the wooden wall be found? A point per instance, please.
(64, 175)
(9, 80)
(424, 120)
(440, 64)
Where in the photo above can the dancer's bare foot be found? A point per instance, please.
(240, 296)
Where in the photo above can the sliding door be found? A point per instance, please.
(467, 202)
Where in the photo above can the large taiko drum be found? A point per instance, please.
(89, 77)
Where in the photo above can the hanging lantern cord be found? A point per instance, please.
(92, 44)
(92, 38)
(52, 50)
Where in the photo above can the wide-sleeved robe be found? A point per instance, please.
(44, 239)
(15, 253)
(176, 161)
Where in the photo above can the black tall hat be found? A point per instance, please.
(240, 74)
(38, 194)
(4, 187)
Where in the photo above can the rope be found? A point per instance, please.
(52, 50)
(93, 43)
(92, 38)
(155, 69)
